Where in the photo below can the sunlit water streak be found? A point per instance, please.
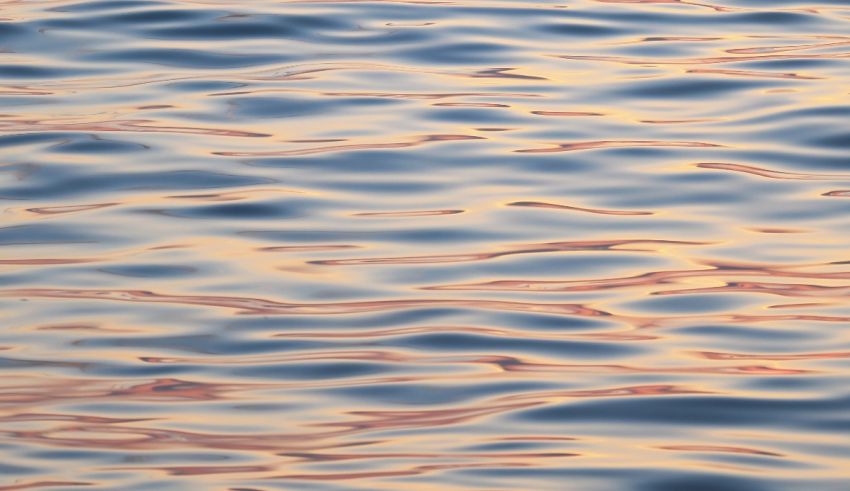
(425, 245)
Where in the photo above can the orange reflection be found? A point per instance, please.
(44, 484)
(571, 147)
(773, 174)
(128, 126)
(781, 289)
(538, 204)
(406, 214)
(703, 61)
(354, 146)
(565, 113)
(717, 269)
(719, 448)
(717, 8)
(753, 73)
(575, 246)
(767, 357)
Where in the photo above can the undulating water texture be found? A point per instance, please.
(421, 245)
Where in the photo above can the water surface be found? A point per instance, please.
(425, 245)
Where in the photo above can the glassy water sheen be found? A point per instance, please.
(593, 245)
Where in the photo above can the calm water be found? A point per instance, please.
(592, 245)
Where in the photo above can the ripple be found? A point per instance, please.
(601, 245)
(773, 174)
(571, 147)
(424, 244)
(554, 206)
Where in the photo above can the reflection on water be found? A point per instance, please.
(455, 245)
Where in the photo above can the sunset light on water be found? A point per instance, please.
(425, 245)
